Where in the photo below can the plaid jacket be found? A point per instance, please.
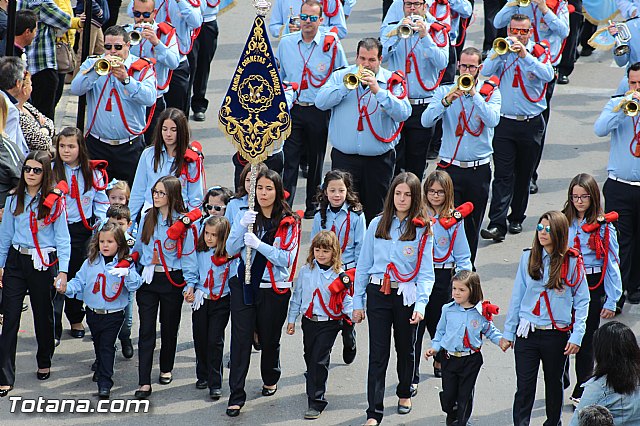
(41, 54)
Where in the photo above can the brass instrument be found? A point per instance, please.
(294, 19)
(502, 46)
(103, 66)
(629, 105)
(465, 83)
(135, 37)
(622, 39)
(524, 3)
(407, 30)
(352, 80)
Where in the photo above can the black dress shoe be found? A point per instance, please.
(492, 234)
(5, 392)
(562, 79)
(414, 390)
(586, 51)
(140, 394)
(165, 380)
(77, 334)
(533, 187)
(515, 228)
(43, 376)
(404, 409)
(233, 412)
(127, 348)
(201, 384)
(104, 393)
(95, 377)
(269, 392)
(215, 394)
(437, 372)
(349, 354)
(198, 116)
(309, 213)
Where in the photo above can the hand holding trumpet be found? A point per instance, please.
(147, 32)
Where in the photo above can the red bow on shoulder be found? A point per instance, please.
(180, 226)
(60, 190)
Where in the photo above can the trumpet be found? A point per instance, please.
(524, 3)
(465, 83)
(103, 66)
(406, 30)
(502, 46)
(135, 37)
(628, 105)
(294, 19)
(351, 80)
(622, 38)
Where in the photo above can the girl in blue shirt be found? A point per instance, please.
(34, 254)
(240, 202)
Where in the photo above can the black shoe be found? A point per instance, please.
(586, 51)
(309, 213)
(43, 376)
(349, 354)
(77, 334)
(269, 392)
(634, 298)
(201, 384)
(437, 372)
(562, 79)
(5, 392)
(533, 187)
(404, 409)
(414, 390)
(127, 348)
(515, 228)
(140, 394)
(215, 394)
(165, 380)
(233, 412)
(104, 393)
(95, 377)
(256, 343)
(198, 116)
(312, 414)
(492, 234)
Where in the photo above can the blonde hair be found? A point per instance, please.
(329, 241)
(123, 186)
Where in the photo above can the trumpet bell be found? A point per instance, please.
(502, 46)
(621, 49)
(405, 31)
(351, 80)
(465, 82)
(102, 67)
(135, 37)
(524, 3)
(630, 108)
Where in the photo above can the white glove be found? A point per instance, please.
(147, 274)
(408, 292)
(249, 218)
(251, 240)
(524, 327)
(198, 301)
(119, 272)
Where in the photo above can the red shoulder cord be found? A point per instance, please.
(466, 342)
(33, 226)
(284, 245)
(75, 194)
(601, 247)
(180, 241)
(445, 34)
(105, 179)
(536, 37)
(210, 281)
(307, 72)
(346, 222)
(453, 240)
(545, 296)
(463, 126)
(433, 9)
(464, 24)
(167, 41)
(309, 312)
(578, 271)
(635, 139)
(325, 8)
(216, 4)
(158, 247)
(403, 278)
(517, 81)
(101, 283)
(199, 170)
(194, 33)
(364, 111)
(411, 57)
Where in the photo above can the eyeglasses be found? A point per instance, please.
(312, 18)
(577, 198)
(113, 46)
(157, 193)
(520, 31)
(472, 68)
(541, 227)
(216, 208)
(35, 170)
(434, 192)
(413, 4)
(145, 15)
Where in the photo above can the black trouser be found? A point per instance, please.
(415, 140)
(459, 377)
(318, 339)
(59, 88)
(160, 293)
(625, 199)
(309, 131)
(73, 308)
(43, 96)
(386, 4)
(440, 295)
(491, 9)
(20, 277)
(178, 94)
(570, 53)
(545, 114)
(123, 158)
(209, 323)
(200, 57)
(515, 146)
(348, 334)
(104, 331)
(160, 106)
(114, 9)
(266, 317)
(546, 346)
(588, 29)
(273, 162)
(471, 184)
(386, 312)
(371, 177)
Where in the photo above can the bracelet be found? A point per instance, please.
(445, 103)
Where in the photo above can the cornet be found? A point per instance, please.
(406, 30)
(103, 66)
(352, 80)
(135, 37)
(628, 104)
(622, 38)
(524, 3)
(503, 46)
(294, 19)
(464, 83)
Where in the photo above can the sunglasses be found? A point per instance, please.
(113, 46)
(541, 227)
(520, 31)
(312, 18)
(216, 208)
(35, 170)
(145, 15)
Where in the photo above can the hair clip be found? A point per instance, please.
(111, 184)
(101, 224)
(214, 188)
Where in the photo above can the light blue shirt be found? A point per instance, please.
(628, 8)
(377, 253)
(460, 254)
(205, 264)
(293, 53)
(12, 128)
(281, 11)
(386, 112)
(165, 53)
(553, 27)
(625, 409)
(236, 205)
(93, 202)
(612, 279)
(621, 164)
(455, 320)
(527, 292)
(16, 230)
(209, 10)
(83, 282)
(348, 6)
(534, 73)
(338, 221)
(307, 282)
(462, 9)
(135, 97)
(478, 112)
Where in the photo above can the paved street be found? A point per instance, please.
(571, 148)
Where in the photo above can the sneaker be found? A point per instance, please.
(312, 414)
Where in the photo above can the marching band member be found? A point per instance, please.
(622, 188)
(365, 123)
(158, 41)
(34, 256)
(116, 103)
(469, 117)
(240, 200)
(546, 319)
(308, 57)
(261, 305)
(423, 59)
(593, 235)
(321, 295)
(168, 265)
(85, 202)
(340, 211)
(628, 8)
(284, 17)
(524, 71)
(105, 285)
(171, 154)
(395, 270)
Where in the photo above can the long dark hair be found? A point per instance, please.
(222, 228)
(559, 235)
(617, 356)
(46, 185)
(94, 244)
(280, 206)
(173, 188)
(589, 184)
(351, 199)
(415, 211)
(182, 139)
(83, 157)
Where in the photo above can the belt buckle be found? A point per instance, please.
(521, 117)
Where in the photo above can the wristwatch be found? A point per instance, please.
(126, 80)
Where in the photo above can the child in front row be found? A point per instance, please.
(321, 296)
(105, 288)
(459, 333)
